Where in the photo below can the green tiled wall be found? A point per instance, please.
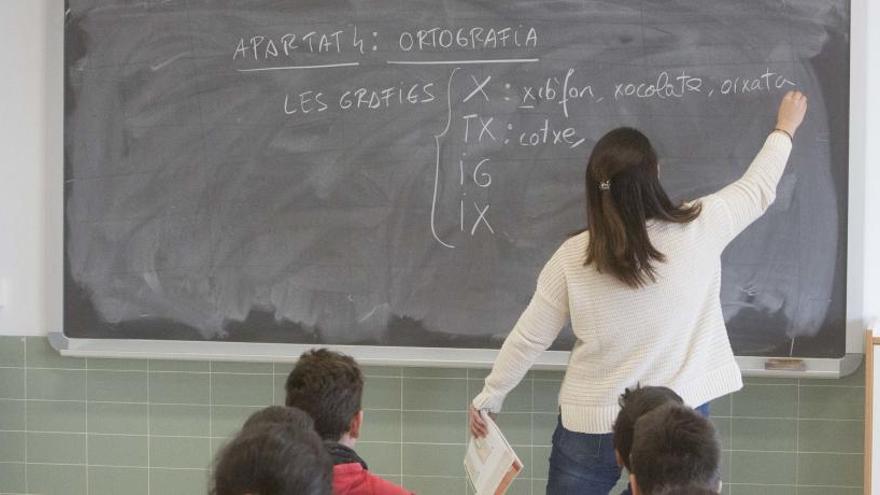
(98, 427)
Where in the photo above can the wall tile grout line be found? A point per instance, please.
(816, 382)
(122, 466)
(469, 394)
(195, 469)
(730, 441)
(797, 437)
(396, 442)
(367, 375)
(211, 405)
(467, 401)
(149, 431)
(448, 411)
(27, 487)
(532, 434)
(402, 426)
(390, 442)
(798, 485)
(205, 404)
(86, 375)
(177, 372)
(790, 418)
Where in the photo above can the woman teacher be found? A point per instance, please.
(642, 288)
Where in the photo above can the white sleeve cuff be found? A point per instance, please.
(488, 402)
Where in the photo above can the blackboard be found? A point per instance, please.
(395, 173)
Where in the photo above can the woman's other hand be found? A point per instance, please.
(478, 425)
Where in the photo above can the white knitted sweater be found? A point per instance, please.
(669, 333)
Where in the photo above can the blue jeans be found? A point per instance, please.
(584, 464)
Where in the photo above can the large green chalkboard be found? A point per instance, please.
(396, 172)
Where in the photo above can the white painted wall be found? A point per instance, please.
(28, 148)
(872, 169)
(23, 165)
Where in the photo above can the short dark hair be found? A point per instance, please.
(633, 404)
(674, 445)
(273, 459)
(280, 414)
(329, 386)
(691, 489)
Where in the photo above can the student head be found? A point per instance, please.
(280, 414)
(633, 404)
(674, 446)
(328, 385)
(623, 192)
(690, 489)
(273, 458)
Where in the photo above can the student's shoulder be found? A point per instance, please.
(353, 479)
(381, 486)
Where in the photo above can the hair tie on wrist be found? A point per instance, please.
(786, 133)
(605, 185)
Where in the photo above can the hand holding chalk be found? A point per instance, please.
(791, 112)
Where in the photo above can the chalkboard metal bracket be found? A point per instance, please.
(827, 368)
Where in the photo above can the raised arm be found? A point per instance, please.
(533, 333)
(744, 201)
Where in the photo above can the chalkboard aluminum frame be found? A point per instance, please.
(419, 356)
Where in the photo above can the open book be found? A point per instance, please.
(490, 462)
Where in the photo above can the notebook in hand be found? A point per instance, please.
(490, 462)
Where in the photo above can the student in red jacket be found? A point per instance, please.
(329, 385)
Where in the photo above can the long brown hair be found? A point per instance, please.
(624, 192)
